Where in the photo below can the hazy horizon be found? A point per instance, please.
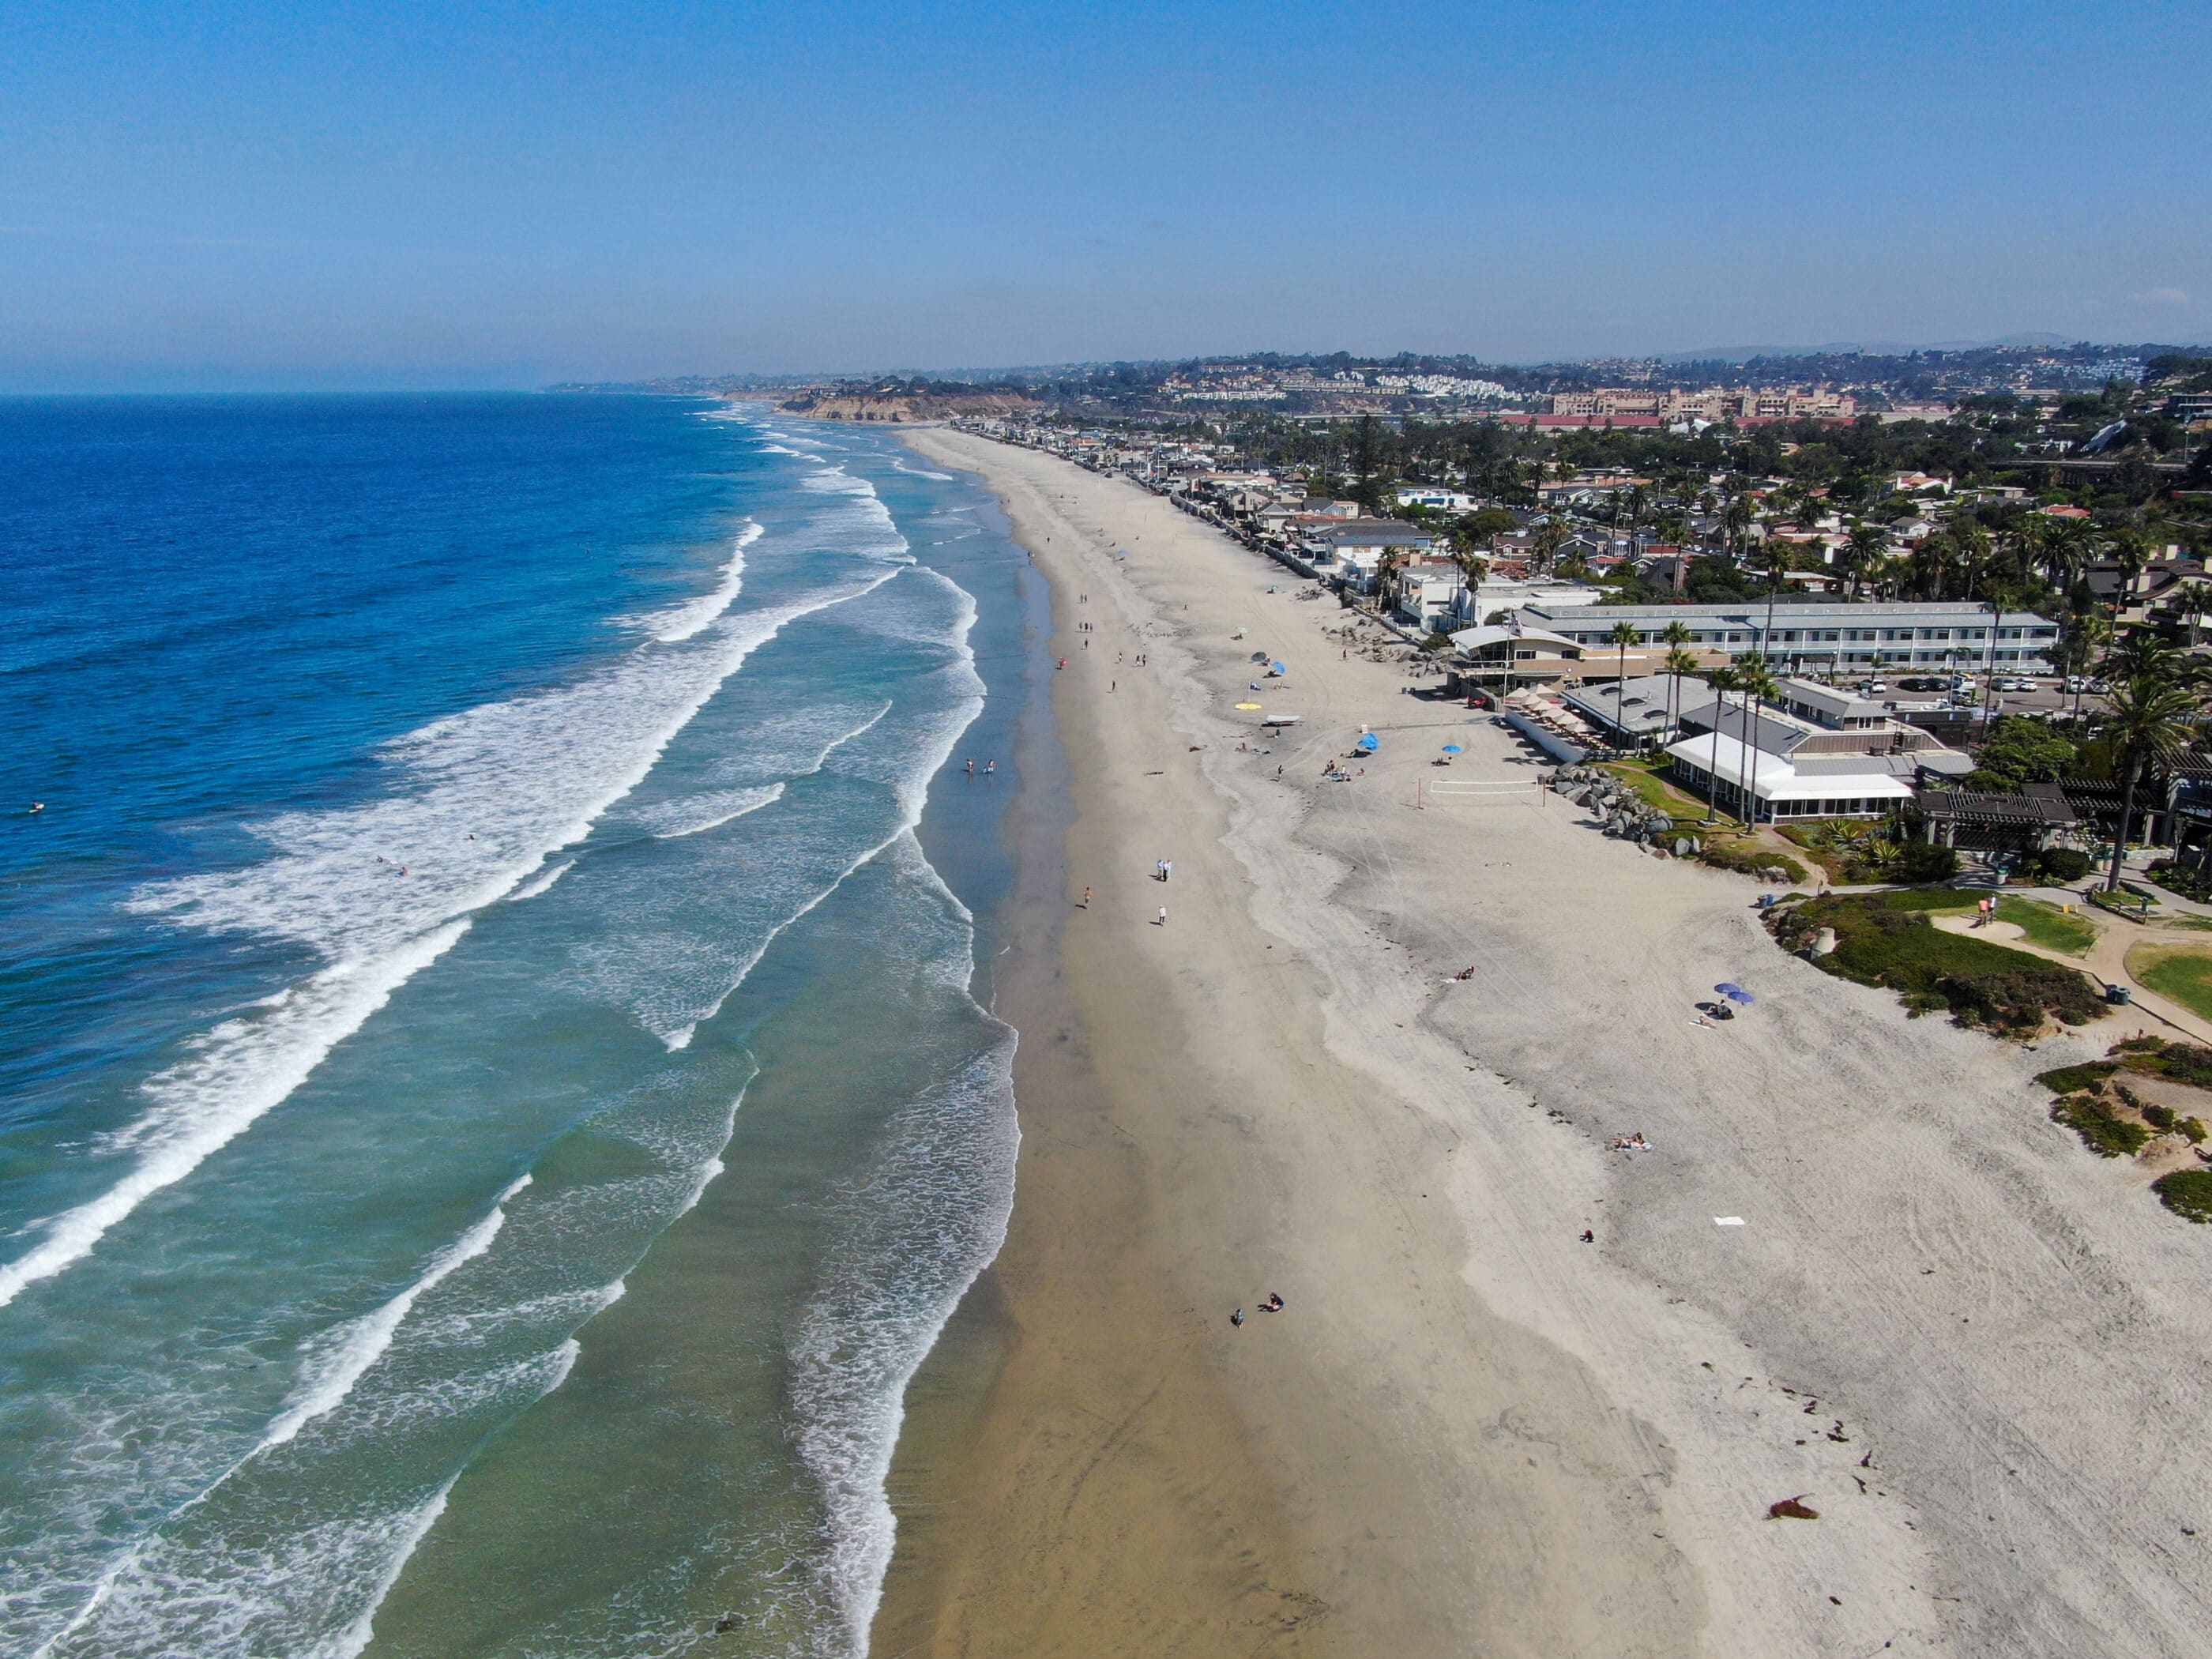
(275, 198)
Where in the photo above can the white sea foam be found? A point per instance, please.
(909, 773)
(537, 884)
(404, 1538)
(930, 1216)
(350, 1350)
(384, 889)
(922, 471)
(683, 621)
(313, 1591)
(234, 1073)
(691, 815)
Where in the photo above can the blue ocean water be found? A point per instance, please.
(496, 1093)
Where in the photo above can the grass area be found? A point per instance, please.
(2177, 971)
(1749, 856)
(2187, 1193)
(2048, 926)
(2072, 1079)
(2118, 904)
(1643, 778)
(1889, 938)
(1940, 901)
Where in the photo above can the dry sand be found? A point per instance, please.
(1976, 1350)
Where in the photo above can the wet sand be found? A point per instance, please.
(1972, 1348)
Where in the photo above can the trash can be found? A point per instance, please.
(2120, 994)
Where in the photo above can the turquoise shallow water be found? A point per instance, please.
(498, 1095)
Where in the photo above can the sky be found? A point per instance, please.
(394, 195)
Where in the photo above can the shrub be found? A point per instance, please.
(2057, 866)
(2183, 1062)
(1749, 858)
(2160, 1118)
(1881, 944)
(1916, 862)
(2101, 1131)
(2190, 883)
(2072, 1079)
(2193, 1129)
(2187, 1193)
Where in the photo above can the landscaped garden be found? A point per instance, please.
(1890, 939)
(2108, 1103)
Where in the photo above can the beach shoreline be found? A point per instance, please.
(1470, 1431)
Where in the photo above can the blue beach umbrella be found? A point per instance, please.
(1454, 749)
(1736, 992)
(1370, 744)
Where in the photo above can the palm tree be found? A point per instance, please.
(1723, 681)
(1675, 636)
(1549, 535)
(1623, 635)
(1679, 663)
(1735, 519)
(1864, 548)
(2149, 719)
(2131, 548)
(2193, 602)
(2088, 635)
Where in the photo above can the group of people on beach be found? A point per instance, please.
(1275, 1303)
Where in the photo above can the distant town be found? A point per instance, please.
(1909, 567)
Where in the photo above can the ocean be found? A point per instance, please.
(497, 1087)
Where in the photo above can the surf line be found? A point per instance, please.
(359, 1344)
(239, 1071)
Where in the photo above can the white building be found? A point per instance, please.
(1834, 637)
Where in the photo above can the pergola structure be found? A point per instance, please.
(1995, 823)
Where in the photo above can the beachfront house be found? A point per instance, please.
(1426, 592)
(1355, 550)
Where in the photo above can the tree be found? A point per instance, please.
(2149, 719)
(1723, 681)
(2021, 752)
(1735, 519)
(1623, 636)
(2192, 603)
(1864, 549)
(1549, 535)
(1679, 663)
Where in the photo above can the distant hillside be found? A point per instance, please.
(908, 400)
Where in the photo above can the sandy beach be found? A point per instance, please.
(1975, 1351)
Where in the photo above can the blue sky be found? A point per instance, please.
(402, 195)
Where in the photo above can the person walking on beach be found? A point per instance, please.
(1167, 869)
(1163, 922)
(1086, 898)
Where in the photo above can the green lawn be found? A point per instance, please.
(2048, 926)
(2182, 974)
(1645, 781)
(1890, 939)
